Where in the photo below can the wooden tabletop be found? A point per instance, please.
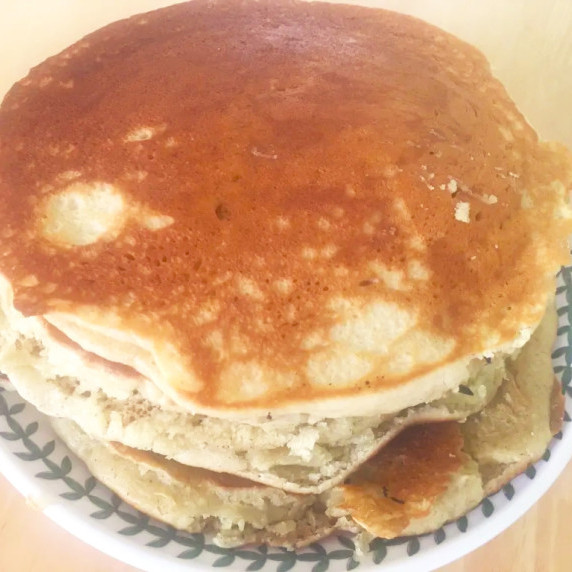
(541, 541)
(522, 39)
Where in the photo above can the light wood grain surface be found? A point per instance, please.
(541, 541)
(530, 46)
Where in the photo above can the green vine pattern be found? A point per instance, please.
(192, 546)
(564, 333)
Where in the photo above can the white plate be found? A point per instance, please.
(51, 478)
(529, 44)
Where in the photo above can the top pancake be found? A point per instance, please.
(279, 207)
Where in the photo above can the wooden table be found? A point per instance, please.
(541, 541)
(521, 39)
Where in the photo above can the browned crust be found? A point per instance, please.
(404, 480)
(89, 357)
(184, 473)
(292, 110)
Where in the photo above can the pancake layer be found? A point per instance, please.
(279, 207)
(429, 474)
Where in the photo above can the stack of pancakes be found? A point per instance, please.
(278, 268)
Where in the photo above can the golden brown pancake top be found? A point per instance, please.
(279, 167)
(405, 479)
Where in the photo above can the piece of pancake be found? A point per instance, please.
(298, 453)
(279, 208)
(494, 445)
(270, 240)
(429, 474)
(515, 426)
(235, 510)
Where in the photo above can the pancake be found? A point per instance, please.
(238, 511)
(433, 469)
(268, 243)
(279, 208)
(298, 453)
(429, 474)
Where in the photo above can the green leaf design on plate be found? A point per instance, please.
(224, 561)
(342, 554)
(214, 549)
(310, 557)
(248, 554)
(257, 564)
(132, 530)
(396, 541)
(15, 427)
(56, 471)
(508, 491)
(90, 484)
(66, 465)
(347, 542)
(379, 549)
(321, 566)
(17, 408)
(4, 411)
(31, 429)
(530, 472)
(282, 556)
(562, 311)
(379, 555)
(352, 564)
(566, 376)
(286, 565)
(559, 352)
(546, 456)
(439, 536)
(137, 519)
(319, 555)
(487, 507)
(191, 540)
(413, 546)
(101, 514)
(568, 291)
(48, 449)
(27, 456)
(75, 486)
(72, 496)
(258, 561)
(162, 536)
(160, 542)
(100, 503)
(463, 524)
(318, 548)
(187, 554)
(79, 491)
